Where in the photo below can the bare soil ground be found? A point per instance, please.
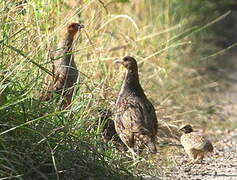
(222, 129)
(222, 165)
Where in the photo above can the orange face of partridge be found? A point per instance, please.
(73, 28)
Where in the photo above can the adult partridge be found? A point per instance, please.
(135, 117)
(64, 69)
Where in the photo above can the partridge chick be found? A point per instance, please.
(135, 117)
(195, 144)
(64, 69)
(109, 132)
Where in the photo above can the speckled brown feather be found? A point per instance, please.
(135, 121)
(64, 69)
(196, 145)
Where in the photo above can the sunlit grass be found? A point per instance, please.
(38, 140)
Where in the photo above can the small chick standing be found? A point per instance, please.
(195, 144)
(65, 71)
(135, 117)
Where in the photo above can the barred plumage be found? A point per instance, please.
(195, 144)
(64, 69)
(135, 118)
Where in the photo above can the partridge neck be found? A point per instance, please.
(68, 41)
(131, 81)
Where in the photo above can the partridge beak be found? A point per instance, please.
(118, 61)
(80, 26)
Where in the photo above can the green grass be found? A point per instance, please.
(38, 140)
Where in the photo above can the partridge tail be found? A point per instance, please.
(208, 146)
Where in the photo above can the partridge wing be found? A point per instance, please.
(151, 119)
(131, 115)
(200, 142)
(59, 81)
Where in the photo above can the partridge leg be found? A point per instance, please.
(193, 156)
(200, 157)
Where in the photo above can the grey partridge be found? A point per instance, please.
(196, 145)
(135, 117)
(65, 72)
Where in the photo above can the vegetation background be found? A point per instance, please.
(175, 43)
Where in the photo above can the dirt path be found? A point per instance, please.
(222, 165)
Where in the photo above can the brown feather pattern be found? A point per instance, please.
(196, 145)
(135, 119)
(65, 72)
